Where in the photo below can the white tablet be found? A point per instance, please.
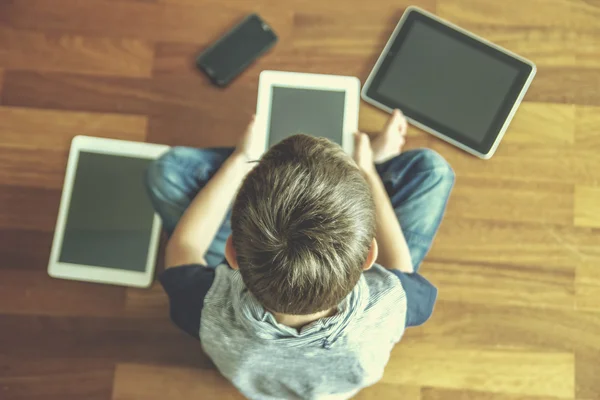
(319, 105)
(107, 230)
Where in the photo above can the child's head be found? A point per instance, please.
(303, 224)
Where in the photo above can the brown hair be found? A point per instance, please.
(302, 225)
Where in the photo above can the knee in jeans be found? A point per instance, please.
(162, 174)
(430, 160)
(155, 177)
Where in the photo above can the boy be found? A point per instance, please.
(302, 288)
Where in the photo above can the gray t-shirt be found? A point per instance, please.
(331, 358)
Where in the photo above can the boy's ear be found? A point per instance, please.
(372, 257)
(230, 254)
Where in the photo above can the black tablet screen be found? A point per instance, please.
(109, 221)
(449, 81)
(311, 111)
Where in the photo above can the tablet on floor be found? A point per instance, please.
(318, 105)
(449, 82)
(107, 230)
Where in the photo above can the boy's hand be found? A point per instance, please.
(251, 145)
(363, 153)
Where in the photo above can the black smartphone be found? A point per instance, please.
(230, 55)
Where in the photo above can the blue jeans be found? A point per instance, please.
(418, 183)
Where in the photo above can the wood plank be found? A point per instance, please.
(516, 328)
(324, 8)
(34, 143)
(115, 339)
(80, 93)
(162, 96)
(141, 20)
(173, 58)
(573, 85)
(587, 286)
(527, 162)
(343, 33)
(580, 15)
(152, 302)
(135, 381)
(55, 379)
(37, 51)
(33, 257)
(36, 128)
(445, 394)
(34, 292)
(543, 124)
(587, 370)
(587, 127)
(388, 391)
(513, 244)
(546, 46)
(543, 202)
(587, 206)
(33, 168)
(528, 286)
(28, 208)
(492, 370)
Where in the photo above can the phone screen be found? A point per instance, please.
(237, 49)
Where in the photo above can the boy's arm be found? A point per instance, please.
(201, 221)
(393, 250)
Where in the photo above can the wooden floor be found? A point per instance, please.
(517, 259)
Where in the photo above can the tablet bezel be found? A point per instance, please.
(91, 273)
(484, 149)
(349, 84)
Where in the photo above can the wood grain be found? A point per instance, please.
(587, 286)
(388, 391)
(30, 208)
(473, 324)
(515, 244)
(134, 381)
(529, 162)
(116, 339)
(445, 394)
(543, 123)
(587, 206)
(530, 286)
(35, 129)
(587, 370)
(42, 138)
(144, 20)
(38, 246)
(37, 51)
(572, 85)
(150, 302)
(516, 259)
(55, 379)
(578, 15)
(512, 372)
(31, 292)
(173, 58)
(543, 202)
(587, 127)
